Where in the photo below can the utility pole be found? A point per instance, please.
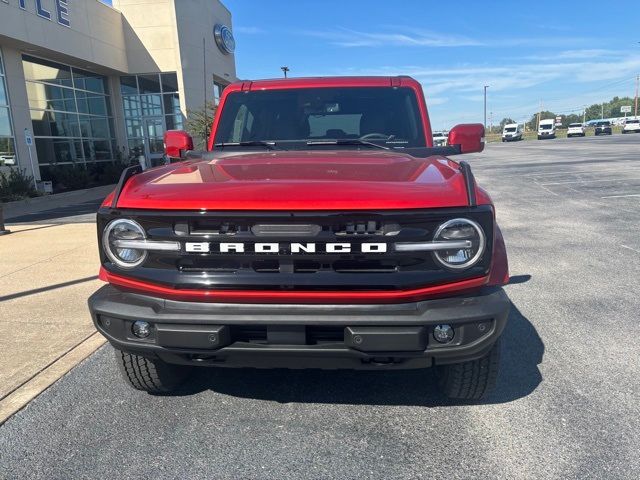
(637, 82)
(539, 115)
(485, 107)
(584, 115)
(602, 116)
(490, 122)
(284, 70)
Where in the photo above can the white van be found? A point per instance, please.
(511, 132)
(547, 129)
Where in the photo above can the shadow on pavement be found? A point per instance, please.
(517, 279)
(47, 288)
(522, 351)
(84, 208)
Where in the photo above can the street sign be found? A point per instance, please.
(558, 121)
(625, 109)
(28, 138)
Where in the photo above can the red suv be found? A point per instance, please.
(320, 229)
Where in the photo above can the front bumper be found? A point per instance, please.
(301, 335)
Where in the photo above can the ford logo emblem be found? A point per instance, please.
(224, 39)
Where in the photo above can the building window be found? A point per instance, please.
(7, 141)
(70, 112)
(217, 92)
(151, 105)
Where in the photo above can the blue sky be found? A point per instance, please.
(567, 55)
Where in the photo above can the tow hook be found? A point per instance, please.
(382, 361)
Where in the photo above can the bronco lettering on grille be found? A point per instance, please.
(290, 248)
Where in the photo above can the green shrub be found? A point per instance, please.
(16, 185)
(108, 173)
(68, 177)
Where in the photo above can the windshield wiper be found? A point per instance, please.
(248, 143)
(346, 141)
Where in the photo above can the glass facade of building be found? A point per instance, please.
(151, 106)
(70, 112)
(7, 145)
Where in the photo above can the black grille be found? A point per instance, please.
(285, 270)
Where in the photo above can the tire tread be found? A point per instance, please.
(153, 376)
(470, 380)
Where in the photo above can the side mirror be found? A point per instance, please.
(176, 143)
(468, 137)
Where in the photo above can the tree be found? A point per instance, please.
(506, 121)
(533, 123)
(199, 124)
(611, 108)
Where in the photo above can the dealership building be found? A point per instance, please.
(83, 82)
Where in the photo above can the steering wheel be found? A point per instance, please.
(375, 136)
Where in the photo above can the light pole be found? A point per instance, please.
(636, 108)
(485, 107)
(284, 70)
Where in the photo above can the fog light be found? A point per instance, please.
(443, 333)
(141, 329)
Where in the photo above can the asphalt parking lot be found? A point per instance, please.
(566, 404)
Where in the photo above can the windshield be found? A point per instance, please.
(545, 126)
(510, 129)
(632, 121)
(291, 118)
(602, 124)
(575, 125)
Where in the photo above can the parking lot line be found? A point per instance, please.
(623, 196)
(591, 181)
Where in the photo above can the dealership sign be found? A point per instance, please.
(224, 39)
(49, 9)
(625, 109)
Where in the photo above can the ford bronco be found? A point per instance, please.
(321, 228)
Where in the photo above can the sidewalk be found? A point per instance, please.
(47, 272)
(76, 206)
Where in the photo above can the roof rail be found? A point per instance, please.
(127, 173)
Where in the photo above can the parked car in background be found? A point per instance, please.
(547, 129)
(603, 127)
(7, 159)
(576, 130)
(632, 125)
(511, 132)
(440, 139)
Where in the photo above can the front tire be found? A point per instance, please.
(471, 380)
(151, 376)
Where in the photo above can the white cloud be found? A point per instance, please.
(580, 54)
(437, 100)
(406, 37)
(249, 30)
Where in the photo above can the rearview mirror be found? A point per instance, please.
(468, 137)
(176, 143)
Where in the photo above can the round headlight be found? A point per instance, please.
(123, 229)
(460, 229)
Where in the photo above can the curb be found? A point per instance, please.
(21, 396)
(56, 196)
